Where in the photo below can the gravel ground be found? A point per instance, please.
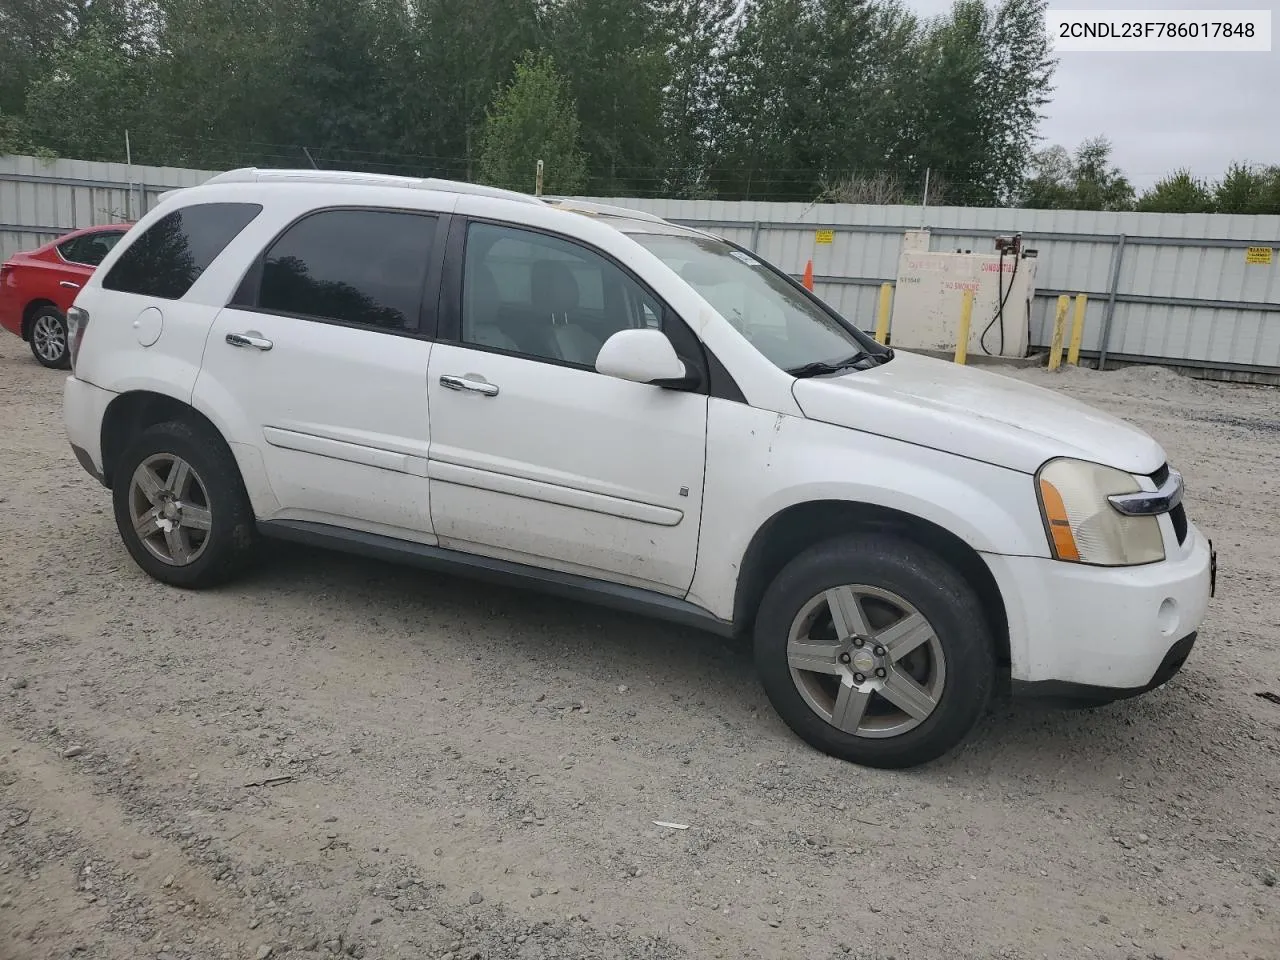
(345, 757)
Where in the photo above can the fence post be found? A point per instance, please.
(755, 237)
(882, 317)
(1059, 326)
(1105, 343)
(1077, 330)
(128, 160)
(962, 334)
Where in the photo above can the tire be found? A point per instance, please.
(207, 508)
(47, 337)
(925, 613)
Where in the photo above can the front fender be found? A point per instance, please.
(760, 464)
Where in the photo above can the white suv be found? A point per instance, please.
(610, 406)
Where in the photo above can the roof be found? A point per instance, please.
(258, 175)
(635, 220)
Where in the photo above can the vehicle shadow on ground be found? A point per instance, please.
(1148, 732)
(527, 619)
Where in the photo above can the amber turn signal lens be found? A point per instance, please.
(1064, 541)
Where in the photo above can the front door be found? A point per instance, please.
(537, 458)
(322, 357)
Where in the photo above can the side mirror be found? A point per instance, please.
(643, 356)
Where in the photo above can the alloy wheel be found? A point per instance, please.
(169, 509)
(866, 661)
(49, 337)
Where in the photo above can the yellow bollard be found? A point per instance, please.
(882, 318)
(962, 334)
(1059, 328)
(1077, 330)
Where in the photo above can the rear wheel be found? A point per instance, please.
(875, 651)
(48, 338)
(181, 506)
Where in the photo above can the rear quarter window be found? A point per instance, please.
(171, 254)
(89, 249)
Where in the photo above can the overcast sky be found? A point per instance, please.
(1165, 110)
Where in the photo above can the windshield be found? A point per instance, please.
(780, 321)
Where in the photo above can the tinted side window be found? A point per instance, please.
(89, 250)
(544, 297)
(175, 250)
(363, 267)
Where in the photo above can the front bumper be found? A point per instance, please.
(1103, 632)
(1090, 694)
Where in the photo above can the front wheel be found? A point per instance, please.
(875, 651)
(48, 338)
(181, 506)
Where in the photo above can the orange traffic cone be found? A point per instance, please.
(808, 276)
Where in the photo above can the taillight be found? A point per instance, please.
(77, 320)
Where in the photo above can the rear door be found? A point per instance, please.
(320, 362)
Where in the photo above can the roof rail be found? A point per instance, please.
(606, 209)
(260, 175)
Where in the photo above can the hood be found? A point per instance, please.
(976, 414)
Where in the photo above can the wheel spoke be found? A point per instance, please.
(905, 635)
(813, 657)
(902, 691)
(149, 484)
(846, 613)
(195, 518)
(851, 704)
(179, 474)
(148, 523)
(175, 539)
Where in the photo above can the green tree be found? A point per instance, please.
(695, 31)
(533, 118)
(447, 61)
(1180, 192)
(982, 78)
(1249, 190)
(1086, 181)
(766, 106)
(94, 90)
(340, 98)
(1017, 83)
(214, 61)
(14, 137)
(613, 55)
(951, 131)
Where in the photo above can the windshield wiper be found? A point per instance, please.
(820, 367)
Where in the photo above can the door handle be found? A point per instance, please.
(69, 284)
(472, 382)
(248, 340)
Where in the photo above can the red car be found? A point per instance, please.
(38, 286)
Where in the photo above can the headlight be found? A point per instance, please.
(1083, 527)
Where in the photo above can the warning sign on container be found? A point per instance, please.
(824, 236)
(1259, 255)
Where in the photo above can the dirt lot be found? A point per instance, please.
(340, 756)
